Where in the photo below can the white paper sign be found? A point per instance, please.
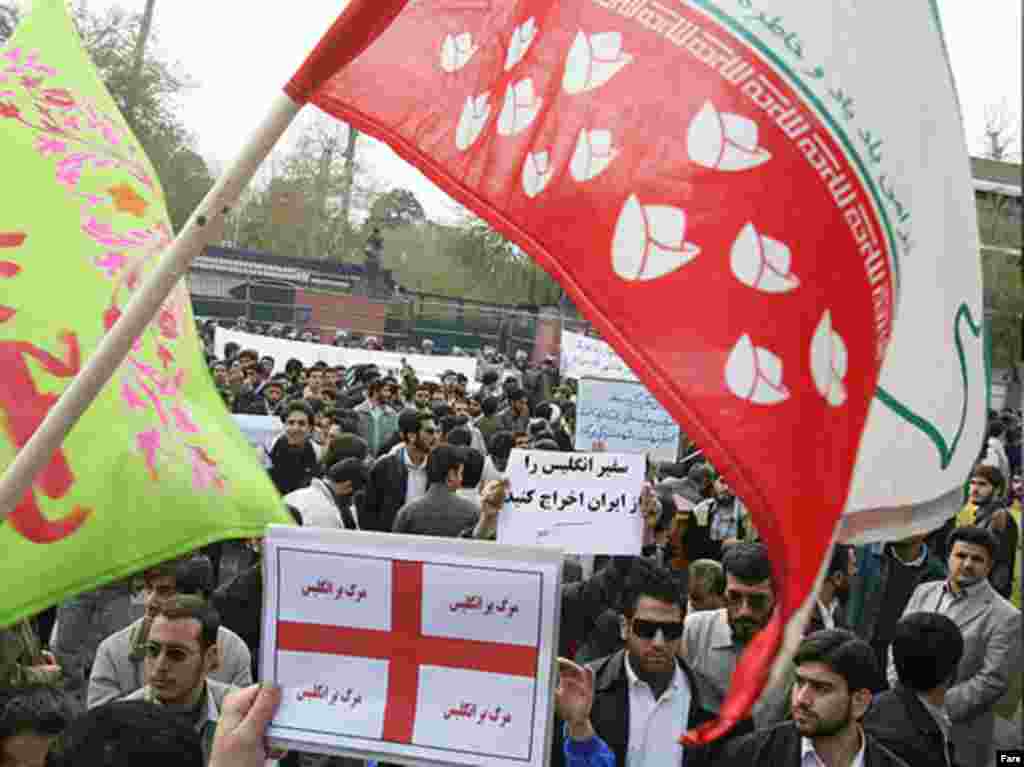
(410, 649)
(586, 503)
(428, 367)
(626, 418)
(585, 357)
(260, 431)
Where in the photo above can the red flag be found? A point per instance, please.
(712, 221)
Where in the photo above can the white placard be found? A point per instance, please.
(584, 503)
(585, 357)
(428, 367)
(410, 649)
(626, 418)
(260, 431)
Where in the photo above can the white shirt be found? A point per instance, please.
(828, 614)
(809, 757)
(416, 482)
(655, 726)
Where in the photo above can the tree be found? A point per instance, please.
(397, 208)
(145, 89)
(1001, 133)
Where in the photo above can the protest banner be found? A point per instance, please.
(626, 418)
(410, 649)
(428, 367)
(585, 357)
(587, 503)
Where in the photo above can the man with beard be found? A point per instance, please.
(400, 476)
(828, 613)
(645, 695)
(713, 640)
(721, 521)
(831, 692)
(991, 629)
(118, 670)
(985, 508)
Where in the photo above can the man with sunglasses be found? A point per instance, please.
(713, 640)
(181, 652)
(400, 476)
(645, 695)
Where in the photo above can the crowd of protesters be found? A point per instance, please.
(911, 654)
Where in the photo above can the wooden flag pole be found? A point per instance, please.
(205, 225)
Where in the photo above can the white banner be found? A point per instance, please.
(586, 503)
(585, 357)
(626, 418)
(260, 431)
(427, 366)
(410, 649)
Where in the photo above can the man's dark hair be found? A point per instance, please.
(840, 562)
(346, 446)
(347, 420)
(297, 406)
(490, 378)
(517, 394)
(192, 574)
(411, 421)
(978, 536)
(489, 406)
(33, 710)
(292, 365)
(189, 607)
(473, 470)
(442, 460)
(843, 652)
(130, 733)
(501, 444)
(349, 470)
(926, 650)
(545, 443)
(460, 436)
(649, 580)
(440, 411)
(748, 562)
(446, 424)
(708, 573)
(319, 365)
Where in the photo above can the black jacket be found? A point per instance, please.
(779, 746)
(240, 604)
(899, 721)
(385, 493)
(610, 714)
(291, 468)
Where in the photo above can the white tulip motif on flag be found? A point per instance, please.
(683, 170)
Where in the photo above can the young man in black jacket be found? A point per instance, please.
(911, 720)
(831, 692)
(401, 475)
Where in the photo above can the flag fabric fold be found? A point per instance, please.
(156, 467)
(726, 190)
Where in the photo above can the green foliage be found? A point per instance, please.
(999, 226)
(395, 208)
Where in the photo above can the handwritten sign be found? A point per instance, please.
(586, 503)
(626, 418)
(585, 357)
(370, 634)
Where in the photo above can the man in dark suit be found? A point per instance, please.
(833, 674)
(828, 612)
(645, 695)
(400, 476)
(911, 720)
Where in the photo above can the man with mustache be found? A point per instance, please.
(831, 691)
(713, 640)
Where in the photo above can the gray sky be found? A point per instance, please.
(240, 54)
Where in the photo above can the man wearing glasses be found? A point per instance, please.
(714, 640)
(401, 476)
(644, 696)
(180, 654)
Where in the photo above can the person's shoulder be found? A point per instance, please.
(120, 637)
(878, 755)
(139, 694)
(702, 620)
(228, 638)
(926, 588)
(752, 743)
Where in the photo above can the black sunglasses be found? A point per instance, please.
(671, 630)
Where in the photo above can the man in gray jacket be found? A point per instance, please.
(440, 511)
(118, 668)
(991, 629)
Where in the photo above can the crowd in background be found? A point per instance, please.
(912, 648)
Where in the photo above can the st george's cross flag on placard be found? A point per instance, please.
(754, 202)
(398, 647)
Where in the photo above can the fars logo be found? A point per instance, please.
(1014, 756)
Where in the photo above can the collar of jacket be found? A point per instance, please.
(610, 673)
(138, 637)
